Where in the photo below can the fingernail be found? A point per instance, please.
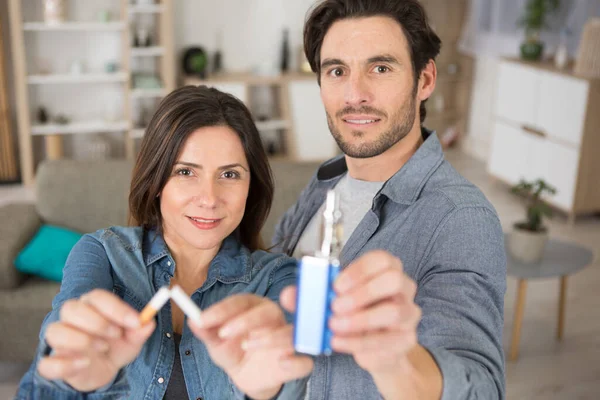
(196, 323)
(131, 321)
(101, 345)
(81, 363)
(114, 332)
(226, 332)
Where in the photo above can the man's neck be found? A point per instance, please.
(382, 167)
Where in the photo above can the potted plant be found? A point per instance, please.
(528, 238)
(534, 20)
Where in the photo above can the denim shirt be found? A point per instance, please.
(134, 264)
(450, 241)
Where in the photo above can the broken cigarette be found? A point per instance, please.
(185, 303)
(154, 305)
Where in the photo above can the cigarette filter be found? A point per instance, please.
(154, 305)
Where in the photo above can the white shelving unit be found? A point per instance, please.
(82, 78)
(74, 26)
(148, 93)
(154, 51)
(160, 56)
(88, 98)
(299, 120)
(146, 8)
(137, 133)
(81, 127)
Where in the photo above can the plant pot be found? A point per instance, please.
(532, 50)
(527, 246)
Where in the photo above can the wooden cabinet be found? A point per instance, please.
(547, 125)
(300, 123)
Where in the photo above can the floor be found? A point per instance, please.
(546, 369)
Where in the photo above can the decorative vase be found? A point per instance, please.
(561, 57)
(54, 11)
(527, 246)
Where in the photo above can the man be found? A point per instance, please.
(419, 311)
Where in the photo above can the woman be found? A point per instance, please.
(200, 193)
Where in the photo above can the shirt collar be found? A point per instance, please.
(405, 185)
(231, 264)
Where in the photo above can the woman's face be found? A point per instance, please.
(204, 198)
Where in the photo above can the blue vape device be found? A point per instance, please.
(316, 275)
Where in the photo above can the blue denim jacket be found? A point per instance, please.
(450, 241)
(134, 264)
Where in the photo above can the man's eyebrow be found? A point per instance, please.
(329, 62)
(383, 58)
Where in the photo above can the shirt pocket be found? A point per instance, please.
(128, 296)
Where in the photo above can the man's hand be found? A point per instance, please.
(375, 319)
(235, 332)
(95, 336)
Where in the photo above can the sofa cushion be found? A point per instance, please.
(46, 254)
(84, 195)
(22, 312)
(19, 222)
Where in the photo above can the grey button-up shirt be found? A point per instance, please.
(450, 241)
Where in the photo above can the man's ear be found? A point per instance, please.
(427, 81)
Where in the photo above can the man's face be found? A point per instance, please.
(367, 85)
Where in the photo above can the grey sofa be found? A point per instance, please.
(83, 196)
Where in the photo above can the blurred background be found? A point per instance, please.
(516, 106)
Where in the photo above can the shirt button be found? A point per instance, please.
(169, 263)
(161, 379)
(187, 352)
(168, 335)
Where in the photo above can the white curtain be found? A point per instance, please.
(492, 29)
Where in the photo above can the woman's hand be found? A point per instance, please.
(234, 329)
(95, 336)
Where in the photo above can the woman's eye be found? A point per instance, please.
(184, 172)
(231, 175)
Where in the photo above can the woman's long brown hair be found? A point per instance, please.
(182, 112)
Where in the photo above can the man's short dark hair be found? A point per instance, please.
(424, 43)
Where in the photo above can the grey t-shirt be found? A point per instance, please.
(356, 198)
(450, 241)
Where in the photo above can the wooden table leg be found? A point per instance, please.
(54, 147)
(518, 318)
(561, 307)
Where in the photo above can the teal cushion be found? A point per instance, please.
(45, 255)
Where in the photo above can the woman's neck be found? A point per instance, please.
(191, 264)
